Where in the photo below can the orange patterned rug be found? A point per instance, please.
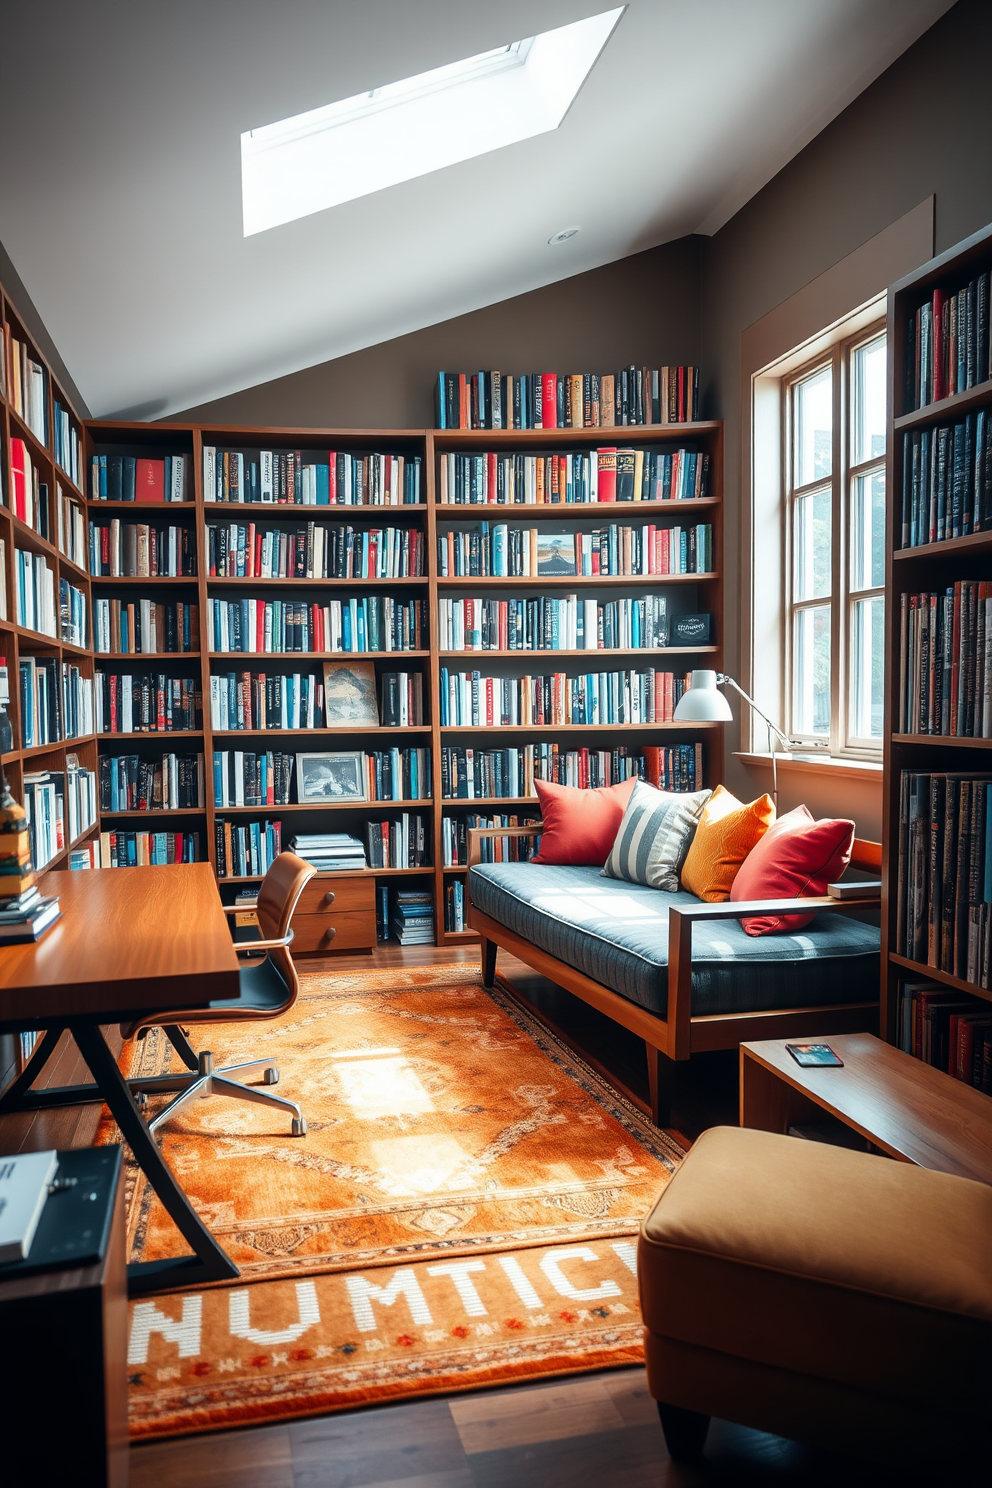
(461, 1211)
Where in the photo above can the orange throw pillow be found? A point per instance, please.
(578, 826)
(795, 859)
(726, 833)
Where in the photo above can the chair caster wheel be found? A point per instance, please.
(299, 1126)
(271, 1077)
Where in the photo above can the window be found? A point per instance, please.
(833, 417)
(406, 129)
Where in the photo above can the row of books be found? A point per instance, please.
(496, 550)
(398, 775)
(945, 675)
(577, 400)
(80, 797)
(316, 551)
(70, 520)
(245, 778)
(132, 849)
(402, 700)
(487, 774)
(68, 445)
(27, 389)
(372, 623)
(947, 346)
(145, 703)
(398, 842)
(72, 613)
(35, 587)
(948, 1030)
(454, 907)
(172, 782)
(947, 481)
(138, 478)
(568, 623)
(144, 628)
(260, 700)
(141, 550)
(248, 849)
(578, 477)
(412, 920)
(292, 478)
(944, 886)
(28, 492)
(44, 807)
(454, 840)
(471, 700)
(57, 701)
(491, 774)
(87, 855)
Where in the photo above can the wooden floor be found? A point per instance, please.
(598, 1430)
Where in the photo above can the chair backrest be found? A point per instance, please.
(277, 899)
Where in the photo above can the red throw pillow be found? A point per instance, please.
(579, 826)
(795, 859)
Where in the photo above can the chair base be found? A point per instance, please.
(205, 1081)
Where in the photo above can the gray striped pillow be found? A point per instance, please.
(654, 836)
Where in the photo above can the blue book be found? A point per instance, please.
(323, 485)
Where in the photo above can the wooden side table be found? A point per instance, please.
(63, 1366)
(900, 1105)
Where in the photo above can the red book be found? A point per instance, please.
(149, 480)
(549, 400)
(464, 403)
(606, 481)
(20, 475)
(491, 477)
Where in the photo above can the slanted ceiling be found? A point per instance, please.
(120, 188)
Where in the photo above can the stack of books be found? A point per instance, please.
(330, 850)
(413, 917)
(26, 917)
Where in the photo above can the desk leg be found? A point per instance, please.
(210, 1262)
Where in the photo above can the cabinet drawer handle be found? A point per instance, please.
(329, 898)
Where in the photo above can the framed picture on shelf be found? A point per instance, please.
(555, 555)
(331, 777)
(349, 694)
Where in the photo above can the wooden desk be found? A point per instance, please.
(130, 940)
(902, 1106)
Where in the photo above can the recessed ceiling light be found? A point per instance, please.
(564, 235)
(420, 124)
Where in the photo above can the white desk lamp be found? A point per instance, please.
(703, 702)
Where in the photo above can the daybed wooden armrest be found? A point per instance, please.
(476, 834)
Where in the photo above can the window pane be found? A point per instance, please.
(813, 430)
(811, 703)
(866, 667)
(869, 401)
(811, 538)
(868, 532)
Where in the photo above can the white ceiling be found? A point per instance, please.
(120, 199)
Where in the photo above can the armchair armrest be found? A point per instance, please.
(257, 947)
(230, 909)
(476, 834)
(680, 922)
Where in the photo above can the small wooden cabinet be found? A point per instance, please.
(336, 913)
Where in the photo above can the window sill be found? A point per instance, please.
(848, 769)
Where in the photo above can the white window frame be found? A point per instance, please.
(840, 742)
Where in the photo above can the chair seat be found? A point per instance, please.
(262, 994)
(836, 1265)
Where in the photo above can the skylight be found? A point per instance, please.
(420, 124)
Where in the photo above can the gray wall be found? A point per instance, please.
(642, 309)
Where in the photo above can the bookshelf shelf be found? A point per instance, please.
(574, 581)
(606, 435)
(142, 510)
(152, 813)
(301, 656)
(329, 511)
(480, 511)
(572, 728)
(312, 806)
(546, 655)
(382, 731)
(323, 584)
(937, 828)
(153, 734)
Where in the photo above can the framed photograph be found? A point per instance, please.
(331, 777)
(349, 694)
(555, 554)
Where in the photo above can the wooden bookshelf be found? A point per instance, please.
(687, 593)
(928, 567)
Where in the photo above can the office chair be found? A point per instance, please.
(269, 987)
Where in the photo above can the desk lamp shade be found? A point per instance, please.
(702, 701)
